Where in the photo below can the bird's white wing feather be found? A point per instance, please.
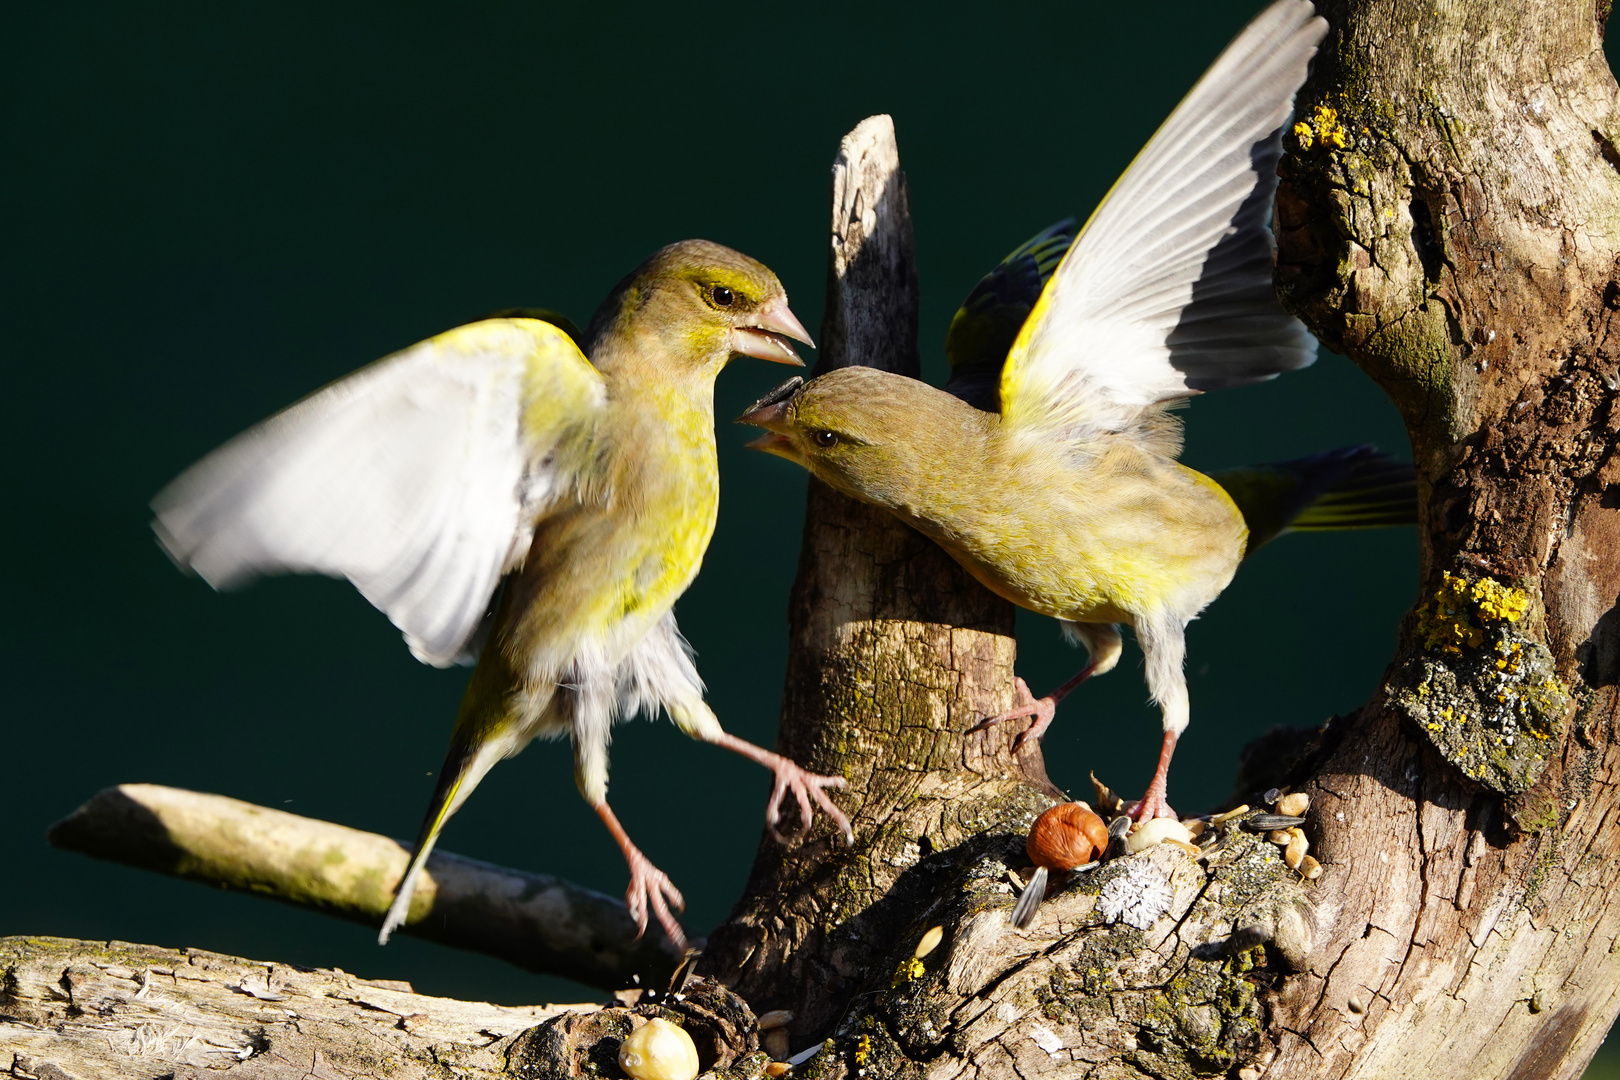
(1167, 291)
(418, 478)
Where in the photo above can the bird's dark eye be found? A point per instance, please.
(722, 296)
(825, 439)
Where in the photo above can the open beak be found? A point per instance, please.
(766, 336)
(770, 413)
(773, 442)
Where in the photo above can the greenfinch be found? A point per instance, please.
(1061, 490)
(506, 498)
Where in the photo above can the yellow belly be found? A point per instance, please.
(1129, 535)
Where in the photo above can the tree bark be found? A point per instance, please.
(894, 652)
(1461, 247)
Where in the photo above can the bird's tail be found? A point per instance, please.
(1354, 487)
(463, 768)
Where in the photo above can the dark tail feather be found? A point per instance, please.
(1354, 487)
(987, 323)
(463, 768)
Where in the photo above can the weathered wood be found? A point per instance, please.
(894, 652)
(538, 922)
(79, 1010)
(1457, 236)
(73, 1010)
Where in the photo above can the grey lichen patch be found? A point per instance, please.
(1137, 897)
(1483, 689)
(1249, 872)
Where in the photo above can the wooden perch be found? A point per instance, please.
(72, 1010)
(79, 1010)
(538, 922)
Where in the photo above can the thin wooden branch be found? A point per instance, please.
(535, 921)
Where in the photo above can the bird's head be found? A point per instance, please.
(702, 303)
(872, 434)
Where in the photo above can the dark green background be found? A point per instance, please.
(210, 212)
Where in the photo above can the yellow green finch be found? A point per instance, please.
(508, 495)
(1050, 470)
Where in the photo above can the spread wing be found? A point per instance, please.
(418, 478)
(1168, 292)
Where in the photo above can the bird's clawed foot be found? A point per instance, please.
(1150, 806)
(651, 887)
(808, 788)
(1042, 709)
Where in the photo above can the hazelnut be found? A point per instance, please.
(659, 1050)
(1066, 836)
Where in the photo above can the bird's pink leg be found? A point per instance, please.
(806, 787)
(1043, 709)
(649, 886)
(1152, 804)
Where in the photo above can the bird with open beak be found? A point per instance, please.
(510, 497)
(1062, 492)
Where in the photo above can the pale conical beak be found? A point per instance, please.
(773, 417)
(767, 332)
(772, 443)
